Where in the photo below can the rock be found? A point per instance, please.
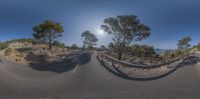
(28, 53)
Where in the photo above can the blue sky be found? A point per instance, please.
(169, 20)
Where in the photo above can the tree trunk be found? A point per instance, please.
(50, 46)
(83, 47)
(120, 55)
(50, 42)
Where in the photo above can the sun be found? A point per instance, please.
(100, 32)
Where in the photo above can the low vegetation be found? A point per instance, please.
(144, 54)
(48, 31)
(58, 43)
(89, 40)
(74, 47)
(125, 29)
(27, 40)
(32, 50)
(3, 45)
(141, 54)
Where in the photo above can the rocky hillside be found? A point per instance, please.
(27, 51)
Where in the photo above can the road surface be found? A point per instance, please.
(93, 81)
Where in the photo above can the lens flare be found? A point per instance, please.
(100, 32)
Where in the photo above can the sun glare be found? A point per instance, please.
(100, 32)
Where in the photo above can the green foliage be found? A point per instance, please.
(170, 54)
(74, 46)
(3, 45)
(125, 29)
(34, 41)
(91, 48)
(89, 39)
(198, 46)
(48, 31)
(103, 47)
(111, 46)
(167, 54)
(184, 43)
(178, 53)
(58, 43)
(142, 51)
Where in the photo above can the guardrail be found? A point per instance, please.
(178, 61)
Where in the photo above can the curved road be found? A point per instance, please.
(93, 81)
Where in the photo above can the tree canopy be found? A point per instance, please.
(142, 51)
(111, 46)
(89, 39)
(58, 43)
(74, 46)
(184, 43)
(48, 31)
(125, 29)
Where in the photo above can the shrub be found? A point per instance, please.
(8, 52)
(3, 45)
(58, 43)
(19, 55)
(74, 46)
(18, 59)
(29, 40)
(142, 51)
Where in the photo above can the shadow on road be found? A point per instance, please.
(117, 72)
(67, 64)
(85, 58)
(1, 61)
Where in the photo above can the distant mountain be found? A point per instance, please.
(159, 51)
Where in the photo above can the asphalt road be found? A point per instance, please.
(93, 81)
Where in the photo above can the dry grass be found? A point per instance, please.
(26, 52)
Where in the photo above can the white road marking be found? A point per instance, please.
(75, 69)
